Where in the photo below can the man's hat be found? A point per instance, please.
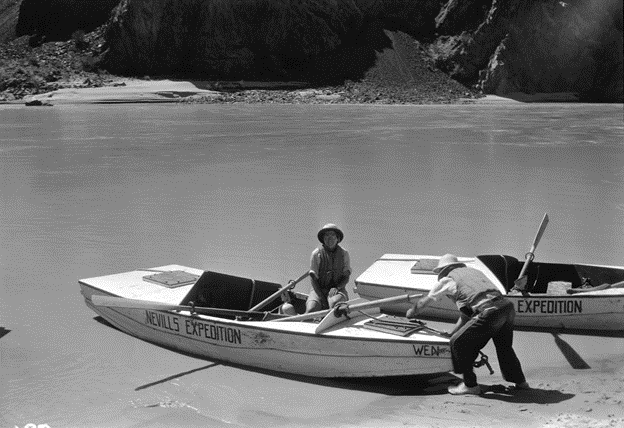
(446, 260)
(327, 228)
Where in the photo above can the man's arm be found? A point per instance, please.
(417, 307)
(439, 288)
(463, 319)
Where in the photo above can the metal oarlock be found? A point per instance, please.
(484, 361)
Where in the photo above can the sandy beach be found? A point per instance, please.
(577, 382)
(176, 91)
(125, 91)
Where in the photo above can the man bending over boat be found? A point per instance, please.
(484, 314)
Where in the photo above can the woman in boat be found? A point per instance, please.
(330, 269)
(484, 314)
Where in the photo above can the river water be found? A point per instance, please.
(94, 190)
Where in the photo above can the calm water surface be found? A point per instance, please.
(95, 190)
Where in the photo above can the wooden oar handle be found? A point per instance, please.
(279, 292)
(529, 258)
(120, 302)
(586, 290)
(531, 254)
(352, 307)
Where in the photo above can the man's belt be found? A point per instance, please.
(489, 302)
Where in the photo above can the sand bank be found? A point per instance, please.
(124, 91)
(174, 91)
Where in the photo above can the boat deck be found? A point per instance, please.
(401, 270)
(132, 285)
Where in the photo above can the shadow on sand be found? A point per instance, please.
(414, 385)
(529, 396)
(429, 384)
(175, 376)
(4, 332)
(576, 361)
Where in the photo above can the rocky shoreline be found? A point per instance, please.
(349, 93)
(36, 73)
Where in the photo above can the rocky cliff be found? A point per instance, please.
(224, 39)
(538, 46)
(9, 12)
(55, 20)
(501, 46)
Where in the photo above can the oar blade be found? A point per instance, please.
(531, 252)
(353, 306)
(332, 319)
(541, 230)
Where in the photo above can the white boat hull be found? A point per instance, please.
(391, 275)
(346, 350)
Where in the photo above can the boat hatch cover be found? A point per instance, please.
(424, 266)
(395, 325)
(172, 279)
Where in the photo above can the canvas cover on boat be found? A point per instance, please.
(506, 268)
(219, 290)
(540, 274)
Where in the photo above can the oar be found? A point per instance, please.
(279, 292)
(348, 308)
(531, 254)
(596, 288)
(120, 302)
(336, 317)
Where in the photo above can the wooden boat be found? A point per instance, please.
(556, 299)
(206, 314)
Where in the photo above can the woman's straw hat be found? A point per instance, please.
(327, 228)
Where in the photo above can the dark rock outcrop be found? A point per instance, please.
(9, 13)
(416, 18)
(261, 39)
(55, 20)
(542, 46)
(458, 16)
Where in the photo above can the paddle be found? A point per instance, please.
(531, 254)
(346, 308)
(336, 317)
(279, 292)
(120, 302)
(596, 288)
